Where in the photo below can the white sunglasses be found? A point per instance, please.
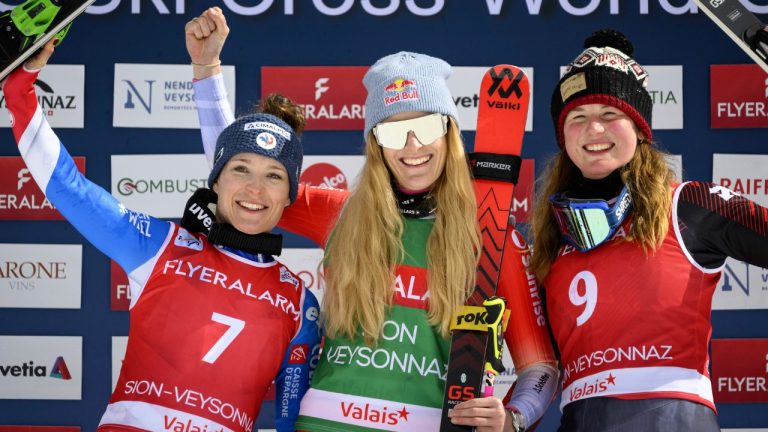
(427, 129)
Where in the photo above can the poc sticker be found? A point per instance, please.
(187, 240)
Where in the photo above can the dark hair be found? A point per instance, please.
(284, 109)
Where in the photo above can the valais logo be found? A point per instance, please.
(29, 369)
(324, 175)
(368, 413)
(600, 385)
(298, 354)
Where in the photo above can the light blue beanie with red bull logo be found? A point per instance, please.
(407, 81)
(263, 134)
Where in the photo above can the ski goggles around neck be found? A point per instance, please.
(587, 223)
(427, 129)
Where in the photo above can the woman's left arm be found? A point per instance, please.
(714, 223)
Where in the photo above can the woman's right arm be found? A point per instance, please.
(205, 36)
(130, 238)
(315, 211)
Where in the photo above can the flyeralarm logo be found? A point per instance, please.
(368, 413)
(20, 197)
(739, 96)
(332, 97)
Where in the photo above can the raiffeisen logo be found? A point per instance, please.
(127, 186)
(324, 175)
(29, 369)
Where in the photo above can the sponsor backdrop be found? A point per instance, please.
(120, 96)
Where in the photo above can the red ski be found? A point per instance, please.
(503, 110)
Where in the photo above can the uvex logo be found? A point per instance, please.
(368, 413)
(514, 85)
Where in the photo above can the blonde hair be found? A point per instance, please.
(366, 247)
(649, 179)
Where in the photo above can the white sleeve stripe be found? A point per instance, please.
(679, 236)
(40, 149)
(213, 112)
(138, 278)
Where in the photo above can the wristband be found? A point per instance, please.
(214, 64)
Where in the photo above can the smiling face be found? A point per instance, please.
(253, 191)
(417, 166)
(599, 139)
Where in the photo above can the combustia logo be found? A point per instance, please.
(29, 369)
(367, 412)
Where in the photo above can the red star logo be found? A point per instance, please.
(611, 379)
(403, 413)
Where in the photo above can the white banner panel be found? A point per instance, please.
(159, 95)
(158, 185)
(119, 344)
(676, 163)
(41, 367)
(60, 93)
(40, 276)
(304, 263)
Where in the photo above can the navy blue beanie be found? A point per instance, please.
(263, 134)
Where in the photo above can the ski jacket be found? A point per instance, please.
(399, 384)
(636, 326)
(210, 327)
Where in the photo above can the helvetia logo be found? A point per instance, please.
(29, 369)
(60, 369)
(366, 412)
